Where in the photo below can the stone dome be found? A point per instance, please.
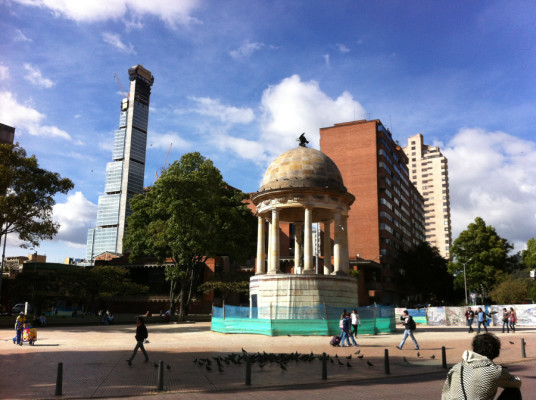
(303, 167)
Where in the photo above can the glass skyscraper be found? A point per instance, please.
(124, 175)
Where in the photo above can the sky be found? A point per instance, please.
(239, 81)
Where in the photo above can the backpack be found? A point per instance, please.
(412, 325)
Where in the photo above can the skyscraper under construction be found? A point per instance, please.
(124, 175)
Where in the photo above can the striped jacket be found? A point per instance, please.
(481, 379)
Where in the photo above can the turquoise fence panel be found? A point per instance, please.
(299, 327)
(237, 320)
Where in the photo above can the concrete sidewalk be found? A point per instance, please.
(94, 363)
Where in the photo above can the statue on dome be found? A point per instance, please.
(303, 141)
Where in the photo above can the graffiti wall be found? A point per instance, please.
(455, 316)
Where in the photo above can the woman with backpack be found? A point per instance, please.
(409, 327)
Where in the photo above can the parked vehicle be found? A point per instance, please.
(17, 308)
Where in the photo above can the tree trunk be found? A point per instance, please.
(182, 305)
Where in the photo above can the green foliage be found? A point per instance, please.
(528, 256)
(83, 286)
(27, 196)
(189, 214)
(510, 291)
(424, 275)
(484, 254)
(226, 284)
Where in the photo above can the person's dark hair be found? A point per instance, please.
(487, 345)
(405, 312)
(141, 319)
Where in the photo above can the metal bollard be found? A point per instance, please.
(523, 354)
(248, 370)
(59, 380)
(160, 383)
(386, 362)
(444, 357)
(324, 367)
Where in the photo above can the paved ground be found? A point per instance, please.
(94, 364)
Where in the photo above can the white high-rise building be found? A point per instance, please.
(429, 173)
(124, 175)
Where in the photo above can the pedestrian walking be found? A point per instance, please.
(345, 324)
(141, 335)
(513, 319)
(356, 321)
(409, 327)
(481, 320)
(478, 377)
(505, 320)
(470, 316)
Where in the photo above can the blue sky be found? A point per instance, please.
(239, 81)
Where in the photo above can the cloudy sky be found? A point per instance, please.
(239, 81)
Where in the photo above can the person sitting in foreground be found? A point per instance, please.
(477, 377)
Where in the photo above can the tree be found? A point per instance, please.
(226, 285)
(528, 256)
(511, 291)
(484, 254)
(189, 214)
(27, 196)
(424, 275)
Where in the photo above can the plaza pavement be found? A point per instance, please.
(94, 364)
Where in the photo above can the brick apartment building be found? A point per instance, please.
(388, 213)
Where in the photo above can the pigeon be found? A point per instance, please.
(418, 354)
(168, 367)
(511, 342)
(432, 356)
(195, 361)
(361, 356)
(357, 352)
(340, 363)
(349, 365)
(208, 368)
(288, 335)
(370, 364)
(349, 357)
(155, 365)
(283, 367)
(405, 359)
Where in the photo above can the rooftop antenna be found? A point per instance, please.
(165, 162)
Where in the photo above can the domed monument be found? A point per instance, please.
(302, 186)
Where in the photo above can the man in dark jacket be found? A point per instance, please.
(141, 335)
(409, 327)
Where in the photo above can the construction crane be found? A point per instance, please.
(121, 86)
(165, 162)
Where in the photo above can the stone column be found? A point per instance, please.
(269, 251)
(308, 242)
(261, 266)
(345, 257)
(328, 268)
(337, 236)
(275, 247)
(298, 248)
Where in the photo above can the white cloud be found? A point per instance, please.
(213, 108)
(171, 12)
(35, 77)
(20, 37)
(292, 107)
(114, 40)
(326, 59)
(246, 50)
(342, 48)
(493, 176)
(163, 140)
(4, 73)
(75, 217)
(25, 118)
(247, 149)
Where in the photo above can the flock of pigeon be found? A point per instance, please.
(280, 359)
